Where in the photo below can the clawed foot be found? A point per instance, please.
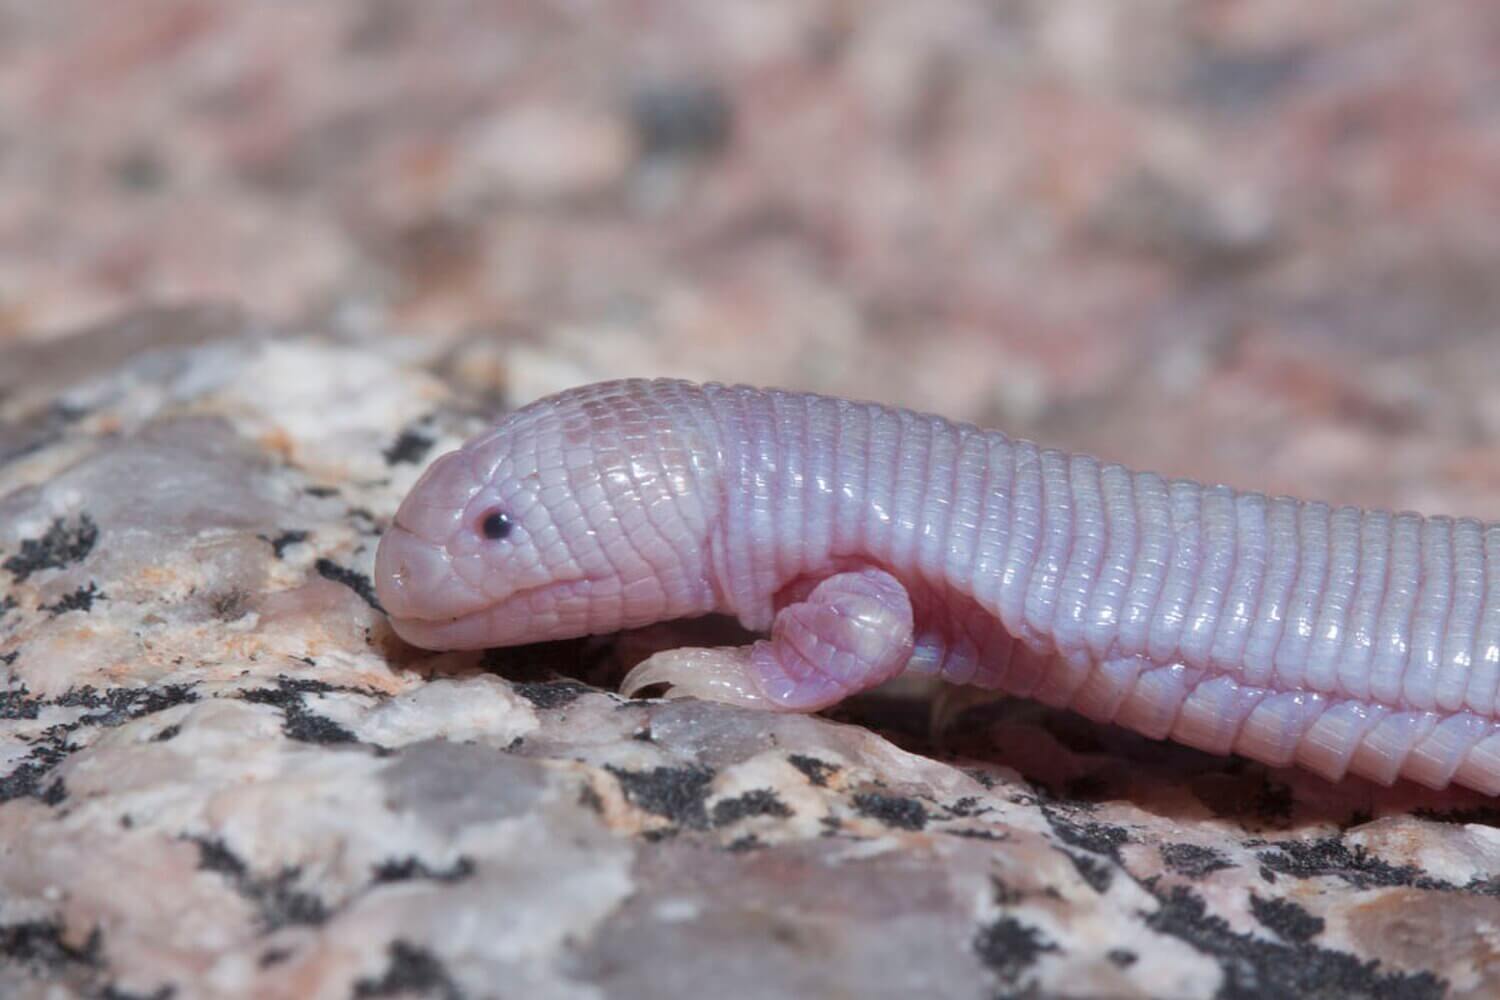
(721, 675)
(848, 633)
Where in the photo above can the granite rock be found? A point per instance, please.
(221, 774)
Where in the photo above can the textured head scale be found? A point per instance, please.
(582, 513)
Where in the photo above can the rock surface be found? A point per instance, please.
(222, 775)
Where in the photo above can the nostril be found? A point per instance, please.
(415, 578)
(393, 572)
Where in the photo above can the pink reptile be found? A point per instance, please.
(868, 541)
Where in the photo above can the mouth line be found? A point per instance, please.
(467, 615)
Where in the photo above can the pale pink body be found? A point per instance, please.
(870, 540)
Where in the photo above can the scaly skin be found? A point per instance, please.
(869, 540)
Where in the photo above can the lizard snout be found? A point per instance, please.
(415, 579)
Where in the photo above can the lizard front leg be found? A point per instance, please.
(848, 633)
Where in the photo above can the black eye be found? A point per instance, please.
(496, 525)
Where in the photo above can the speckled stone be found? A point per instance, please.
(222, 775)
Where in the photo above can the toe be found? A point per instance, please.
(723, 675)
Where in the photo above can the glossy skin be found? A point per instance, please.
(869, 540)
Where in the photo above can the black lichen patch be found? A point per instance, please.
(117, 706)
(551, 694)
(895, 811)
(167, 733)
(7, 605)
(759, 802)
(108, 709)
(1096, 872)
(301, 723)
(278, 903)
(26, 778)
(1100, 840)
(310, 727)
(1122, 957)
(410, 447)
(55, 793)
(17, 703)
(1291, 922)
(1194, 860)
(81, 599)
(281, 903)
(411, 970)
(967, 807)
(284, 541)
(357, 582)
(1480, 815)
(409, 868)
(9, 658)
(1009, 948)
(61, 546)
(215, 856)
(1332, 857)
(817, 771)
(677, 793)
(41, 943)
(1259, 969)
(982, 776)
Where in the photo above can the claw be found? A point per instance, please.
(720, 674)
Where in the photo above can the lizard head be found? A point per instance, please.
(582, 513)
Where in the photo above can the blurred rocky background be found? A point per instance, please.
(311, 245)
(1246, 240)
